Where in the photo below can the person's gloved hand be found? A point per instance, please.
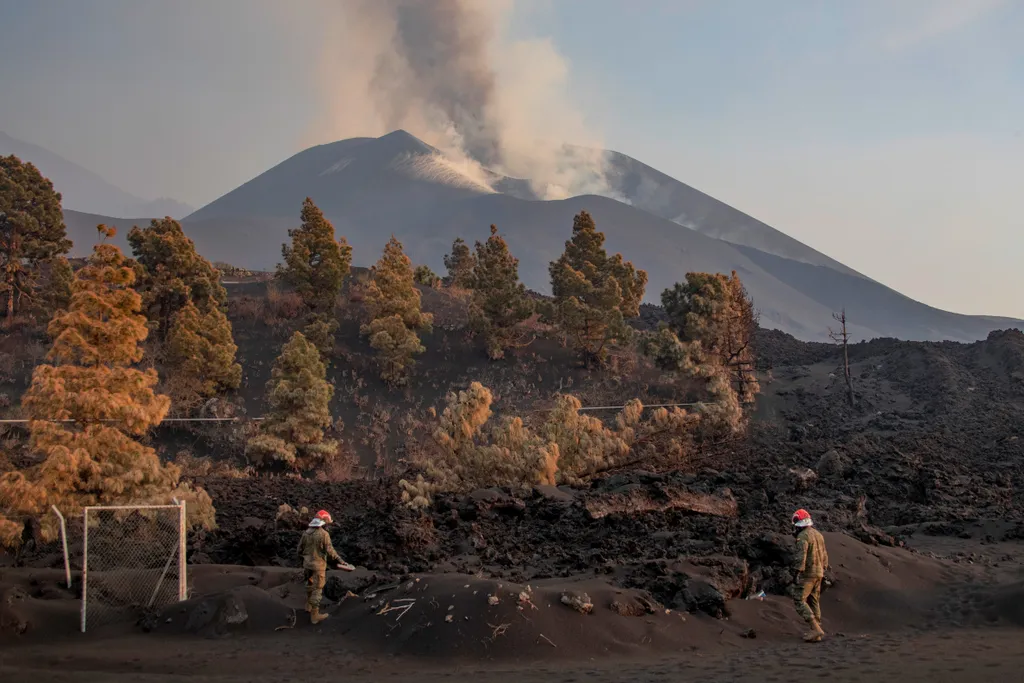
(345, 566)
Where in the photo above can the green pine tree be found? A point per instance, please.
(594, 293)
(393, 303)
(316, 264)
(31, 230)
(171, 273)
(56, 292)
(716, 312)
(292, 434)
(460, 265)
(199, 356)
(500, 301)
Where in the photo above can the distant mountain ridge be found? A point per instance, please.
(371, 188)
(84, 190)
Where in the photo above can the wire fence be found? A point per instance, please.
(259, 419)
(133, 561)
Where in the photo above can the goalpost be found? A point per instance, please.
(133, 560)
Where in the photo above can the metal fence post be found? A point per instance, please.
(85, 563)
(182, 564)
(64, 542)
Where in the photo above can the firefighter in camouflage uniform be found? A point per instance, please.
(316, 549)
(809, 565)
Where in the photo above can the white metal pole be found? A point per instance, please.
(182, 564)
(64, 542)
(85, 563)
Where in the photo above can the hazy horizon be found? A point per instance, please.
(887, 137)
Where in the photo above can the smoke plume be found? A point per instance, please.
(445, 71)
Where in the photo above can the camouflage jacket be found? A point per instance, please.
(811, 558)
(316, 549)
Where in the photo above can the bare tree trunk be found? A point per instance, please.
(10, 300)
(841, 336)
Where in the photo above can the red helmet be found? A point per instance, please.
(802, 518)
(325, 516)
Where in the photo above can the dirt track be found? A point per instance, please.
(963, 656)
(891, 613)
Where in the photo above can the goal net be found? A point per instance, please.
(133, 561)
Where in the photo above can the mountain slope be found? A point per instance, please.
(371, 188)
(84, 190)
(651, 190)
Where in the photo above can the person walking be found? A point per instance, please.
(809, 564)
(315, 549)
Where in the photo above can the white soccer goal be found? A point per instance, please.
(133, 561)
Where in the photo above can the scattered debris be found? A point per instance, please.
(405, 606)
(578, 601)
(498, 630)
(289, 625)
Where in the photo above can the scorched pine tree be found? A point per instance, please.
(90, 379)
(393, 303)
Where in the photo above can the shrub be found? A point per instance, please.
(567, 447)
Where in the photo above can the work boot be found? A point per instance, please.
(315, 617)
(815, 634)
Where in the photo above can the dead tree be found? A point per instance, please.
(841, 336)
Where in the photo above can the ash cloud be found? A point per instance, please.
(445, 71)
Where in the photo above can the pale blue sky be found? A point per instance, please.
(888, 134)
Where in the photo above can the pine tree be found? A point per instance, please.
(55, 294)
(594, 293)
(320, 331)
(500, 302)
(199, 355)
(716, 311)
(425, 277)
(97, 459)
(393, 303)
(171, 273)
(292, 435)
(31, 229)
(316, 263)
(460, 265)
(183, 298)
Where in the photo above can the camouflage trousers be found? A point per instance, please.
(806, 594)
(315, 580)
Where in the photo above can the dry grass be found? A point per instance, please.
(282, 305)
(638, 502)
(193, 467)
(343, 467)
